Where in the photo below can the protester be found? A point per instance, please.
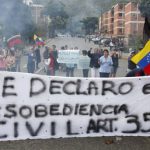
(37, 57)
(135, 73)
(2, 61)
(94, 65)
(31, 61)
(18, 60)
(51, 64)
(131, 65)
(45, 58)
(62, 67)
(70, 70)
(85, 71)
(54, 54)
(106, 63)
(10, 61)
(115, 59)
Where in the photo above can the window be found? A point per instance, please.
(134, 16)
(120, 15)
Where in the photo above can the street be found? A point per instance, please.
(74, 42)
(105, 143)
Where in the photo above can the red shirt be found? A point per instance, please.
(51, 65)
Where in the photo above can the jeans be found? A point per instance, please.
(18, 65)
(51, 72)
(104, 75)
(85, 73)
(69, 72)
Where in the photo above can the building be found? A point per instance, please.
(119, 20)
(28, 2)
(123, 20)
(104, 23)
(37, 13)
(134, 21)
(111, 22)
(42, 21)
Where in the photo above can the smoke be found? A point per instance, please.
(15, 17)
(80, 9)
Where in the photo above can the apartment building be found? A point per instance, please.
(123, 20)
(104, 21)
(37, 13)
(134, 21)
(119, 20)
(111, 21)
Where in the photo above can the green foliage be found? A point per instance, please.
(90, 24)
(145, 8)
(59, 18)
(136, 42)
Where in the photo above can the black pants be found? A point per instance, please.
(104, 75)
(85, 73)
(69, 72)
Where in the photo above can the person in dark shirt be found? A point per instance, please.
(115, 59)
(135, 73)
(94, 65)
(131, 65)
(37, 56)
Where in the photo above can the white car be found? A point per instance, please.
(96, 39)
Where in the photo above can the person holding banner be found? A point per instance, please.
(85, 71)
(54, 54)
(70, 70)
(94, 65)
(105, 64)
(45, 58)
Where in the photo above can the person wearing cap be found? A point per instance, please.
(105, 64)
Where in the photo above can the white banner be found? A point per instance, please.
(68, 56)
(41, 107)
(83, 62)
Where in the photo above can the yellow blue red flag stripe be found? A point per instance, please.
(139, 56)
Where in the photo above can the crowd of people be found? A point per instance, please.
(10, 60)
(102, 64)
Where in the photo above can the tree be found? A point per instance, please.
(90, 24)
(56, 11)
(145, 10)
(16, 18)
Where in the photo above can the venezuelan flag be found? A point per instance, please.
(139, 56)
(145, 64)
(147, 70)
(145, 61)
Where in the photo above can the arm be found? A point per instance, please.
(89, 53)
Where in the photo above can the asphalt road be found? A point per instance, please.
(102, 143)
(82, 45)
